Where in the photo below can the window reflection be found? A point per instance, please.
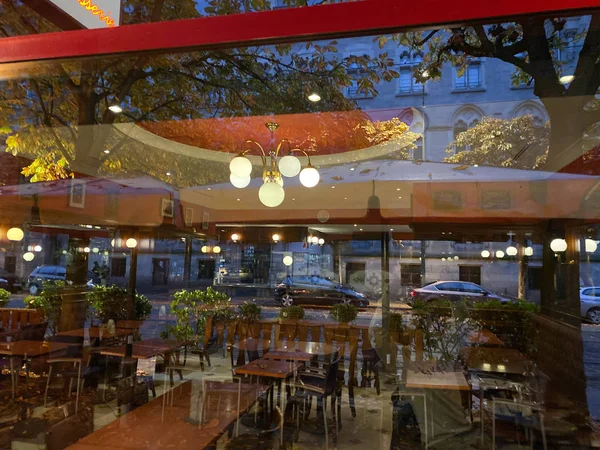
(441, 277)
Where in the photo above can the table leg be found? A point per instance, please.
(12, 377)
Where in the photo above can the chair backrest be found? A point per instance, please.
(331, 376)
(32, 332)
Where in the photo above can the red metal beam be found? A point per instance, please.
(282, 25)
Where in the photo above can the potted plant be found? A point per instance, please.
(48, 303)
(4, 297)
(288, 320)
(249, 315)
(110, 302)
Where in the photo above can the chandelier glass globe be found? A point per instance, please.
(240, 166)
(288, 260)
(216, 249)
(239, 182)
(271, 194)
(590, 246)
(511, 250)
(485, 254)
(499, 254)
(131, 243)
(15, 234)
(528, 251)
(314, 240)
(558, 245)
(289, 166)
(309, 177)
(28, 256)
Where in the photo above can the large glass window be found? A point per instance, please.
(374, 240)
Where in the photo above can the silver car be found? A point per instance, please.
(590, 303)
(454, 291)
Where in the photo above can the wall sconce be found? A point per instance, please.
(131, 243)
(558, 245)
(216, 249)
(276, 238)
(235, 237)
(15, 234)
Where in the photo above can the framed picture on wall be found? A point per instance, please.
(495, 200)
(447, 201)
(77, 194)
(167, 207)
(205, 220)
(188, 217)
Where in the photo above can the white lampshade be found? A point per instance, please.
(204, 249)
(288, 260)
(86, 249)
(239, 182)
(271, 194)
(309, 177)
(512, 251)
(131, 243)
(321, 241)
(28, 256)
(289, 166)
(95, 250)
(590, 246)
(37, 248)
(499, 254)
(456, 258)
(443, 259)
(15, 234)
(112, 242)
(528, 251)
(276, 237)
(235, 237)
(314, 240)
(558, 245)
(240, 166)
(485, 254)
(216, 249)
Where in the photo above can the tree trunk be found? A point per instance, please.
(73, 303)
(567, 126)
(523, 266)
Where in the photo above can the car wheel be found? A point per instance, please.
(287, 300)
(34, 289)
(594, 315)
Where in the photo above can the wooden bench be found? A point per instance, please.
(14, 319)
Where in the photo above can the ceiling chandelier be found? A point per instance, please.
(271, 193)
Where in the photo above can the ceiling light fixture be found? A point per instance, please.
(271, 193)
(314, 97)
(115, 109)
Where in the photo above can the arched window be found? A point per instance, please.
(467, 117)
(407, 83)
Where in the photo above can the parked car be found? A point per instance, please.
(43, 274)
(315, 290)
(454, 291)
(589, 298)
(10, 281)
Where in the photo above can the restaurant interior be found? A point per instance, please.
(278, 240)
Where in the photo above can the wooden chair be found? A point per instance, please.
(74, 370)
(322, 384)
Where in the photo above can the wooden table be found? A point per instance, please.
(484, 337)
(94, 333)
(130, 324)
(297, 351)
(495, 360)
(436, 375)
(28, 349)
(143, 428)
(269, 368)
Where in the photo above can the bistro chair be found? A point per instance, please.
(322, 384)
(76, 367)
